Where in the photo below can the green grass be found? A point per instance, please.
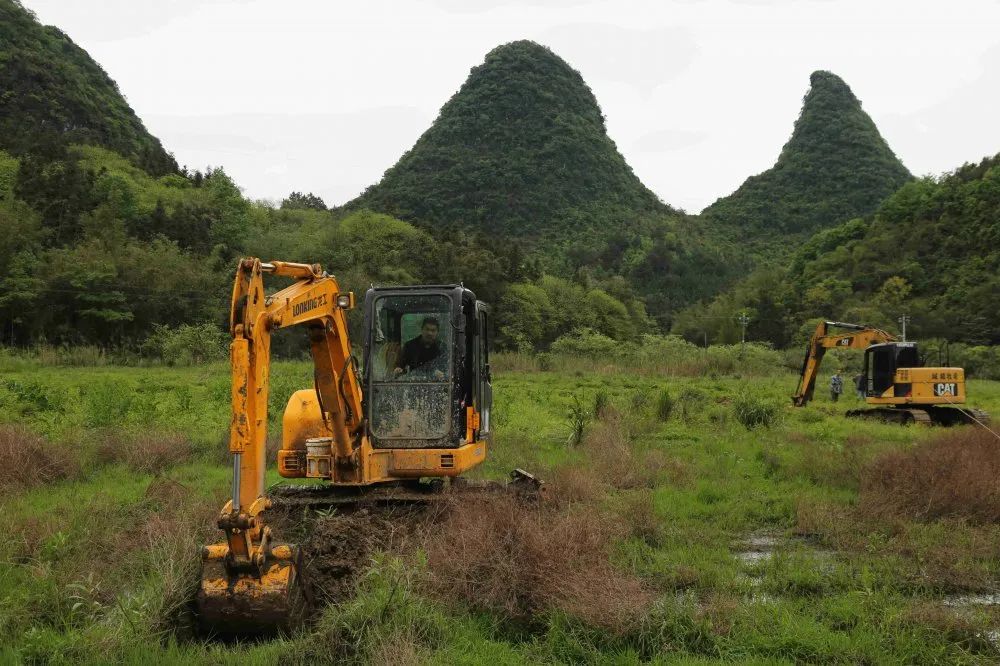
(85, 578)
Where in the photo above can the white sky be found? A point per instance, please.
(324, 96)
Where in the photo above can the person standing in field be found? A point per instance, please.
(860, 385)
(836, 386)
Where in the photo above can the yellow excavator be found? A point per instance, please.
(420, 411)
(898, 387)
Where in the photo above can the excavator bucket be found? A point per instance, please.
(247, 603)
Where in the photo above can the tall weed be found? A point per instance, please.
(755, 411)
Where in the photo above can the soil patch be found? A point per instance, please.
(339, 546)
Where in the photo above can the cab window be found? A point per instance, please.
(412, 339)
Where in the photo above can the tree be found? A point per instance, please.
(523, 311)
(299, 200)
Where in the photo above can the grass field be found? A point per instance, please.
(676, 533)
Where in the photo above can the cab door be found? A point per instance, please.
(484, 380)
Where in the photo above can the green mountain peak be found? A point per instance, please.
(521, 149)
(53, 91)
(835, 166)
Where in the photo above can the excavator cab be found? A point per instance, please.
(426, 360)
(883, 360)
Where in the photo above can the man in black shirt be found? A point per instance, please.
(422, 351)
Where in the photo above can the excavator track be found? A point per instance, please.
(322, 496)
(926, 416)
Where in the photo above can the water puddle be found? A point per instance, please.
(758, 548)
(964, 603)
(969, 600)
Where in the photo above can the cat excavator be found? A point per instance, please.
(898, 387)
(420, 411)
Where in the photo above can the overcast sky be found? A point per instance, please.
(324, 96)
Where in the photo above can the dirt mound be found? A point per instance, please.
(339, 546)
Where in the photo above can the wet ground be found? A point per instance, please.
(337, 544)
(758, 548)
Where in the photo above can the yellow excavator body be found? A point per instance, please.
(923, 386)
(898, 387)
(421, 411)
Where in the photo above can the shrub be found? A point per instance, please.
(754, 411)
(589, 344)
(521, 561)
(577, 418)
(148, 452)
(953, 475)
(664, 404)
(34, 396)
(187, 344)
(107, 403)
(27, 459)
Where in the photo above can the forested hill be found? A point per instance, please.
(931, 251)
(520, 150)
(836, 166)
(53, 94)
(103, 242)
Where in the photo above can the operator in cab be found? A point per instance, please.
(423, 353)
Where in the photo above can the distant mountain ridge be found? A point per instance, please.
(836, 166)
(51, 90)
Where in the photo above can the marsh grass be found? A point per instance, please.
(954, 475)
(99, 563)
(523, 561)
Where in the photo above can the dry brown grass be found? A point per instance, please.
(638, 515)
(956, 627)
(823, 464)
(28, 459)
(520, 560)
(611, 462)
(573, 484)
(614, 460)
(948, 554)
(148, 452)
(719, 611)
(953, 475)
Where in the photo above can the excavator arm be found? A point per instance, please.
(856, 337)
(248, 580)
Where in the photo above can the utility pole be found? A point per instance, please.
(904, 320)
(744, 319)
